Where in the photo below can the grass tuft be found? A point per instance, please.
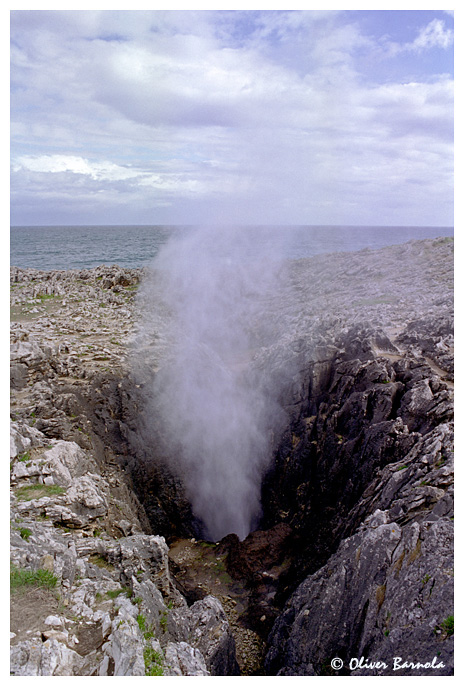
(153, 662)
(448, 625)
(32, 491)
(19, 578)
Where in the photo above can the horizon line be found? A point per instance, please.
(178, 225)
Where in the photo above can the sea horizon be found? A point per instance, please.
(81, 246)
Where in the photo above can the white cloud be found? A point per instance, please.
(76, 165)
(106, 173)
(262, 111)
(434, 35)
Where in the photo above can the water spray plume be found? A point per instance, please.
(214, 408)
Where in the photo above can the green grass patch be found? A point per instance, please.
(115, 593)
(153, 662)
(20, 578)
(164, 621)
(45, 296)
(100, 561)
(146, 630)
(33, 491)
(142, 622)
(448, 625)
(25, 533)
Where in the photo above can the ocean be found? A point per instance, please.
(83, 247)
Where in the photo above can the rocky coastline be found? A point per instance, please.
(353, 556)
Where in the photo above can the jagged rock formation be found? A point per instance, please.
(372, 475)
(100, 597)
(117, 594)
(364, 477)
(353, 557)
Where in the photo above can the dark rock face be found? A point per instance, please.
(260, 561)
(261, 550)
(371, 414)
(386, 592)
(364, 477)
(117, 410)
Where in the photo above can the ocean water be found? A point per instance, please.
(79, 247)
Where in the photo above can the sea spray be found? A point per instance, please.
(213, 408)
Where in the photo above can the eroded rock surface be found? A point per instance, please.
(353, 556)
(112, 607)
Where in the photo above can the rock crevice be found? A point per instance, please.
(352, 556)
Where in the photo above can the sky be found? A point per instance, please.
(338, 117)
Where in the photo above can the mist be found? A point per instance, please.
(208, 309)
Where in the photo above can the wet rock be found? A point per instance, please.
(258, 552)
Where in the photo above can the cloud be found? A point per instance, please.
(107, 173)
(201, 110)
(75, 165)
(433, 35)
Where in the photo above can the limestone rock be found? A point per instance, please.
(360, 472)
(181, 659)
(65, 462)
(209, 631)
(125, 646)
(23, 437)
(381, 617)
(49, 658)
